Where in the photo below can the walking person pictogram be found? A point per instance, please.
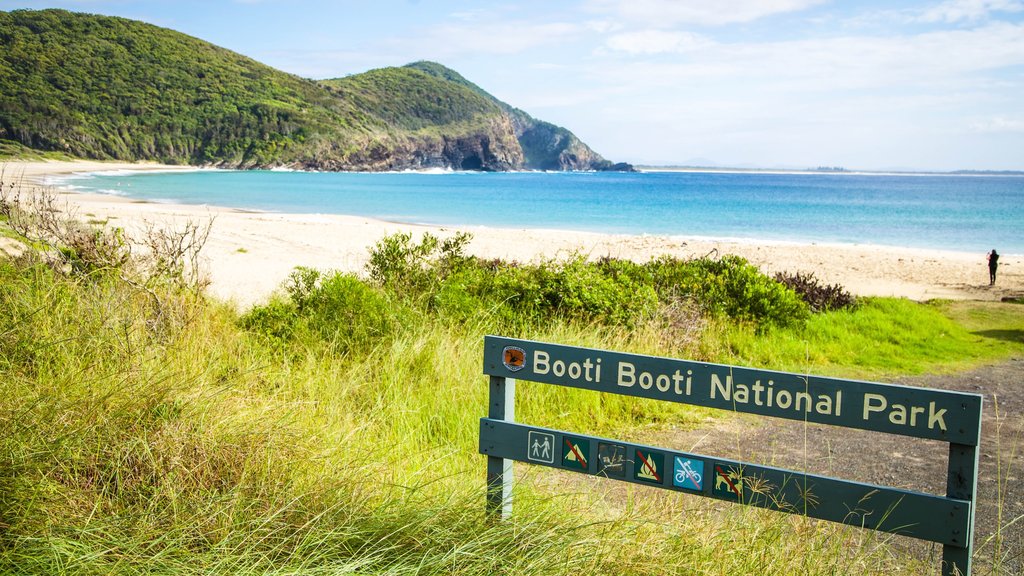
(546, 449)
(540, 447)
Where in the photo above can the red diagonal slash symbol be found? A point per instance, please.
(649, 466)
(579, 457)
(725, 477)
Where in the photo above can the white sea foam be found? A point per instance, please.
(131, 172)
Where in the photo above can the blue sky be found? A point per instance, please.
(766, 83)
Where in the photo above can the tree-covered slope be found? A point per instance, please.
(414, 100)
(105, 87)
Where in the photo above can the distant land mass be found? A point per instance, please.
(104, 87)
(709, 166)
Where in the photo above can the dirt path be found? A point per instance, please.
(902, 462)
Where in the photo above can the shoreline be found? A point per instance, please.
(51, 174)
(249, 254)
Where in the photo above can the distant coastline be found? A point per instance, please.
(838, 171)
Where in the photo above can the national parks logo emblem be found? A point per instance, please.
(514, 358)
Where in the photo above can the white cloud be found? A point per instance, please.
(469, 15)
(947, 98)
(998, 125)
(953, 11)
(603, 26)
(656, 42)
(669, 13)
(947, 59)
(505, 37)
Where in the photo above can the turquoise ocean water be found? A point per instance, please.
(953, 212)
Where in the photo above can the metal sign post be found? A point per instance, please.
(499, 470)
(917, 412)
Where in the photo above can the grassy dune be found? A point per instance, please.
(147, 429)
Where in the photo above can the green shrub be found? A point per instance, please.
(276, 319)
(587, 289)
(347, 310)
(729, 286)
(340, 309)
(436, 274)
(469, 294)
(399, 264)
(820, 297)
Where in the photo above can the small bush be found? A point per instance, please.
(437, 274)
(348, 313)
(398, 263)
(820, 297)
(277, 320)
(588, 289)
(729, 286)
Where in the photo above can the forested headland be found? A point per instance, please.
(102, 87)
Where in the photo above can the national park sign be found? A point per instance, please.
(952, 417)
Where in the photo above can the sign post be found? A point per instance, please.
(499, 469)
(952, 417)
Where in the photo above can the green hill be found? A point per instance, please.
(111, 88)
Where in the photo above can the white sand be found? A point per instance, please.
(249, 255)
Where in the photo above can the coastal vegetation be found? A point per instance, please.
(148, 428)
(110, 88)
(11, 150)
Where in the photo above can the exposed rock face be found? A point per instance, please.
(499, 148)
(492, 150)
(511, 140)
(550, 147)
(496, 150)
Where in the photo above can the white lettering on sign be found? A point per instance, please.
(765, 395)
(900, 415)
(761, 393)
(590, 370)
(676, 382)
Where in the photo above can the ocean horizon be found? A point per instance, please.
(958, 212)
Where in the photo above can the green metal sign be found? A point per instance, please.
(918, 412)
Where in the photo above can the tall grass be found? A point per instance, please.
(180, 438)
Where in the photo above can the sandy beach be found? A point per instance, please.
(249, 254)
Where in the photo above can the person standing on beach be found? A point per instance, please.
(993, 265)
